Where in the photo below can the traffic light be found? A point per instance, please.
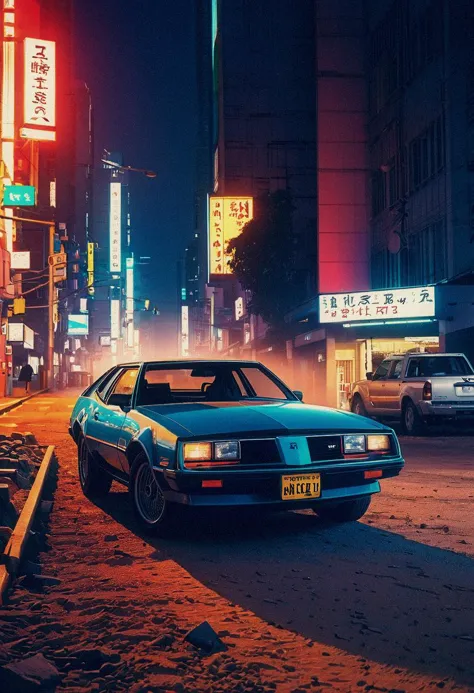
(19, 306)
(147, 304)
(156, 311)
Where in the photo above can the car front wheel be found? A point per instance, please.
(152, 510)
(350, 511)
(94, 481)
(358, 406)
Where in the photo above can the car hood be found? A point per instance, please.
(277, 418)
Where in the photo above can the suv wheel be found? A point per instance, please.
(350, 511)
(358, 406)
(152, 510)
(94, 481)
(411, 420)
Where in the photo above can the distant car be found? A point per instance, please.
(417, 389)
(221, 434)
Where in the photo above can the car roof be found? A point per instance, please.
(184, 362)
(424, 354)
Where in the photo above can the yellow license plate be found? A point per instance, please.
(298, 486)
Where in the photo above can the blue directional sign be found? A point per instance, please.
(19, 196)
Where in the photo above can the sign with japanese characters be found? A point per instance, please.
(184, 331)
(40, 88)
(386, 304)
(227, 217)
(115, 228)
(19, 196)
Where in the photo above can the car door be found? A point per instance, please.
(377, 391)
(96, 411)
(393, 386)
(109, 418)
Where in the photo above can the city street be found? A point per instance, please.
(384, 604)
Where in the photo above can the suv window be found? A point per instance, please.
(382, 370)
(125, 384)
(396, 370)
(438, 366)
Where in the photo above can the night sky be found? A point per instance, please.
(137, 58)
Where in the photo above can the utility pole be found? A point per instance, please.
(50, 351)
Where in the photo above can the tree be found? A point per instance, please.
(264, 260)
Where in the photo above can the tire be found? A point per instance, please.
(154, 513)
(358, 406)
(412, 424)
(350, 511)
(95, 482)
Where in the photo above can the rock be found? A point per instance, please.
(36, 581)
(164, 641)
(30, 674)
(93, 658)
(108, 668)
(18, 436)
(110, 537)
(205, 638)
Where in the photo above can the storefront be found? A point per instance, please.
(358, 330)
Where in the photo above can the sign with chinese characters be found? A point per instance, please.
(78, 324)
(129, 288)
(184, 331)
(239, 308)
(386, 304)
(20, 260)
(227, 217)
(19, 196)
(115, 318)
(115, 228)
(90, 269)
(39, 89)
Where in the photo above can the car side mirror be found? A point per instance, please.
(298, 394)
(122, 401)
(369, 376)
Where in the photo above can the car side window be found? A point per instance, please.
(413, 368)
(125, 383)
(396, 372)
(382, 370)
(105, 384)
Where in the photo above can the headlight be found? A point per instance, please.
(229, 450)
(354, 443)
(378, 443)
(197, 452)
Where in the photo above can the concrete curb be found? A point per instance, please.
(17, 403)
(18, 540)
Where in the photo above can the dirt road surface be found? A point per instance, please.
(386, 604)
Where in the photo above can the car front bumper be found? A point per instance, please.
(263, 487)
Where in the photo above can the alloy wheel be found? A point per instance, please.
(149, 498)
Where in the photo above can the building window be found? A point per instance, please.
(426, 154)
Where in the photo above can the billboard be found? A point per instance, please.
(385, 304)
(39, 89)
(78, 324)
(227, 217)
(19, 196)
(115, 228)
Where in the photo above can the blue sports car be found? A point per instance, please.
(224, 433)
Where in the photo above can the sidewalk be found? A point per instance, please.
(9, 403)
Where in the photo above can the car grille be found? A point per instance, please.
(325, 448)
(259, 452)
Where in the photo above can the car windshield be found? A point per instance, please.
(215, 382)
(431, 367)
